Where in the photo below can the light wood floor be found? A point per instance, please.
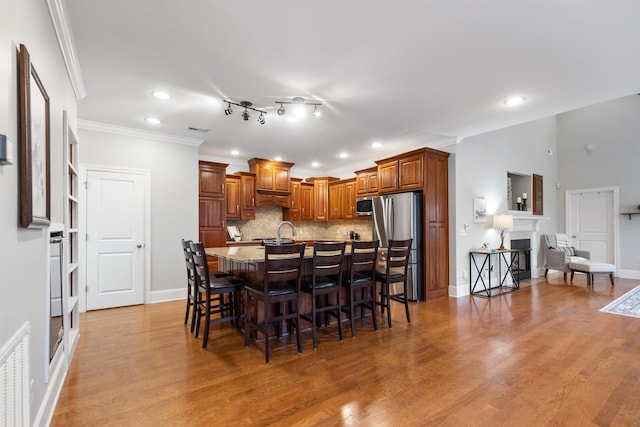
(541, 356)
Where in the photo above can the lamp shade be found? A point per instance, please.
(503, 222)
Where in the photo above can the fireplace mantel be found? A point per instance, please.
(527, 226)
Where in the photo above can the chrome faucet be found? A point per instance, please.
(278, 238)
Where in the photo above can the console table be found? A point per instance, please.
(482, 260)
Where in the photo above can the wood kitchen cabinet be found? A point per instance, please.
(336, 196)
(294, 210)
(306, 202)
(247, 195)
(342, 200)
(272, 182)
(212, 178)
(349, 211)
(321, 197)
(367, 182)
(401, 173)
(232, 197)
(212, 203)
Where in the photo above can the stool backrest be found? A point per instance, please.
(327, 260)
(283, 263)
(364, 255)
(201, 267)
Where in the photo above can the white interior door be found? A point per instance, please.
(591, 223)
(115, 239)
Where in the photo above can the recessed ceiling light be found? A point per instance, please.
(514, 100)
(343, 155)
(315, 164)
(161, 95)
(235, 152)
(376, 144)
(152, 120)
(277, 158)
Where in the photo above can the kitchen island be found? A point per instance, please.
(247, 262)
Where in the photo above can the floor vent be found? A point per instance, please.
(15, 378)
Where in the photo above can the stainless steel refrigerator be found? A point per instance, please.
(399, 217)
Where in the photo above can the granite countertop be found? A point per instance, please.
(251, 254)
(245, 254)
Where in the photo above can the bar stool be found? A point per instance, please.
(361, 282)
(395, 271)
(325, 281)
(192, 289)
(280, 285)
(216, 296)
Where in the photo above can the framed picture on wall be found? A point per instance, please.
(479, 209)
(35, 203)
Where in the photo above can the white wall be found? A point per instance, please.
(481, 166)
(613, 129)
(22, 251)
(174, 198)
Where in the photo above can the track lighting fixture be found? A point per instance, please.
(299, 102)
(245, 114)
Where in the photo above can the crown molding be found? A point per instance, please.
(137, 133)
(60, 20)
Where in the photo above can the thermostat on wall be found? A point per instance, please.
(6, 151)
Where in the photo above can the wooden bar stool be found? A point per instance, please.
(280, 285)
(325, 284)
(218, 299)
(395, 271)
(361, 281)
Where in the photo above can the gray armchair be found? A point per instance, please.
(558, 257)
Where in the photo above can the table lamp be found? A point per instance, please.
(502, 222)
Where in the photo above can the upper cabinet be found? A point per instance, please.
(367, 182)
(212, 179)
(294, 208)
(321, 210)
(232, 196)
(247, 195)
(342, 199)
(272, 182)
(306, 202)
(401, 173)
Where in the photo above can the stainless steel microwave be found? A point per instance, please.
(364, 206)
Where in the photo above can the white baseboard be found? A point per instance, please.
(629, 274)
(167, 295)
(51, 395)
(460, 290)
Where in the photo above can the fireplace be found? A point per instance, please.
(522, 264)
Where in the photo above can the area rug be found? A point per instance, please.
(627, 305)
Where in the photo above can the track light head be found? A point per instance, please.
(281, 110)
(261, 119)
(316, 112)
(245, 115)
(228, 110)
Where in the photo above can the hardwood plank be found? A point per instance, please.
(543, 355)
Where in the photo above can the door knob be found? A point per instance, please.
(139, 245)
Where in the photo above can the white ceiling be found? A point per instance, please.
(406, 73)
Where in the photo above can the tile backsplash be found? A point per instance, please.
(268, 218)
